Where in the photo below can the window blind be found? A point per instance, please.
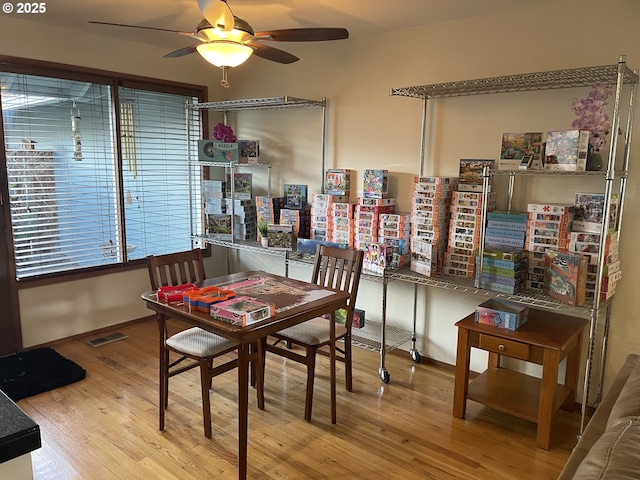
(61, 172)
(155, 149)
(72, 206)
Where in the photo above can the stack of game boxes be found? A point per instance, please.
(342, 216)
(323, 217)
(332, 214)
(367, 218)
(215, 208)
(213, 195)
(299, 218)
(547, 228)
(375, 201)
(245, 220)
(394, 231)
(218, 208)
(588, 244)
(321, 221)
(377, 256)
(585, 238)
(464, 231)
(504, 260)
(268, 209)
(430, 204)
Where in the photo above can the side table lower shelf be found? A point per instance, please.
(512, 392)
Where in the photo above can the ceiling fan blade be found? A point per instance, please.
(177, 32)
(181, 52)
(218, 14)
(305, 34)
(273, 54)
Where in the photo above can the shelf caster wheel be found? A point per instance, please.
(415, 355)
(287, 344)
(384, 375)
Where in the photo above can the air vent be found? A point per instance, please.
(96, 342)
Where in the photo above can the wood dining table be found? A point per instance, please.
(296, 301)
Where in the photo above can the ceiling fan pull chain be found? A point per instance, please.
(224, 81)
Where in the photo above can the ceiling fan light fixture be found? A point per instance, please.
(224, 53)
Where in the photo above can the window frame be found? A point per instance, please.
(114, 80)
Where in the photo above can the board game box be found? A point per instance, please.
(566, 150)
(249, 151)
(589, 212)
(280, 236)
(520, 150)
(471, 174)
(242, 310)
(502, 314)
(565, 276)
(295, 196)
(375, 183)
(337, 181)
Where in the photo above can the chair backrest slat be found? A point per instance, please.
(338, 268)
(176, 268)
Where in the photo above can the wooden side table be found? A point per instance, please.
(545, 339)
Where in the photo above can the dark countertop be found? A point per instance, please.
(19, 434)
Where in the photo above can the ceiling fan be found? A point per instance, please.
(228, 41)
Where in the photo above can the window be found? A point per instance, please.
(74, 204)
(155, 143)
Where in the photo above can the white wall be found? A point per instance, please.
(369, 129)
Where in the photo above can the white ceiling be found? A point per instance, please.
(360, 17)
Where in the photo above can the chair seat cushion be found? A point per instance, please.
(312, 332)
(199, 343)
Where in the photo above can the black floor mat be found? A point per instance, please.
(35, 371)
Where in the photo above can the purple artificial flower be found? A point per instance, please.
(591, 117)
(224, 133)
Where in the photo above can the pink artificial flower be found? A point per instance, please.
(224, 133)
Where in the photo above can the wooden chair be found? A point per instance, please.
(195, 346)
(335, 268)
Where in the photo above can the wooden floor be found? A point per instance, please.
(105, 426)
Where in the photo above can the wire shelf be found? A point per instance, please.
(532, 298)
(208, 163)
(567, 78)
(368, 337)
(245, 245)
(588, 173)
(259, 104)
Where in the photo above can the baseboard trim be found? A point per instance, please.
(98, 332)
